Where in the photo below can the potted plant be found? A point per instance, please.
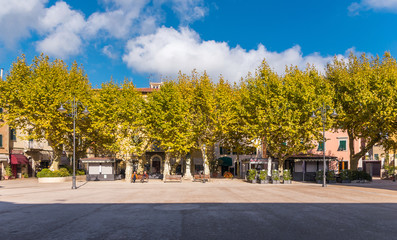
(319, 176)
(252, 175)
(345, 176)
(263, 177)
(331, 178)
(25, 175)
(8, 172)
(275, 177)
(287, 176)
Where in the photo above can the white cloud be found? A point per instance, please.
(62, 27)
(364, 5)
(64, 31)
(168, 51)
(189, 10)
(17, 18)
(109, 51)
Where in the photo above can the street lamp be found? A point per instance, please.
(74, 104)
(323, 111)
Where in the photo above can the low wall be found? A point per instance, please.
(60, 179)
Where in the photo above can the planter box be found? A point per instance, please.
(264, 181)
(60, 179)
(331, 181)
(346, 181)
(253, 181)
(287, 181)
(276, 181)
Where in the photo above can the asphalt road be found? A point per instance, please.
(217, 210)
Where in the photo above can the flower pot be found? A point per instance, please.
(6, 177)
(287, 181)
(264, 181)
(276, 181)
(253, 181)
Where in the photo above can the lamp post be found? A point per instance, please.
(323, 111)
(74, 104)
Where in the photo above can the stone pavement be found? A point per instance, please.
(221, 209)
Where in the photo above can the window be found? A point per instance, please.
(13, 134)
(376, 156)
(224, 151)
(320, 146)
(1, 140)
(342, 145)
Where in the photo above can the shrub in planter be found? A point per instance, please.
(287, 176)
(331, 178)
(63, 172)
(275, 176)
(80, 172)
(345, 176)
(45, 173)
(8, 172)
(252, 175)
(319, 176)
(263, 176)
(25, 175)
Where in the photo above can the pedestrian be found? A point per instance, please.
(134, 176)
(144, 176)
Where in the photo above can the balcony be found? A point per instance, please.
(33, 145)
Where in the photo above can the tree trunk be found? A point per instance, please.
(238, 166)
(205, 160)
(353, 158)
(128, 170)
(166, 170)
(188, 174)
(56, 158)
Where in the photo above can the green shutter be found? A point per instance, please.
(320, 146)
(1, 140)
(342, 145)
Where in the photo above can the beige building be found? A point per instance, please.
(4, 148)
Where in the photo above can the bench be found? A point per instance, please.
(201, 177)
(171, 178)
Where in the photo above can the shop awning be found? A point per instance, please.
(19, 159)
(225, 161)
(312, 158)
(3, 157)
(97, 160)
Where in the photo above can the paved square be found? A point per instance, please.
(221, 209)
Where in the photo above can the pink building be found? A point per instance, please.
(337, 145)
(337, 154)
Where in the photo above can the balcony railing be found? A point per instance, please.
(33, 145)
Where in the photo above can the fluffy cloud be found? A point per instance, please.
(168, 51)
(389, 5)
(64, 31)
(62, 27)
(17, 18)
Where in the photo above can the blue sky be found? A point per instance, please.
(147, 40)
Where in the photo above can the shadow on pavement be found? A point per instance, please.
(377, 184)
(198, 221)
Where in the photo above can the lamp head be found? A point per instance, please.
(334, 114)
(61, 109)
(86, 112)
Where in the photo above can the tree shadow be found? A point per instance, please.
(199, 221)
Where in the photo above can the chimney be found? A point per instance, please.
(1, 73)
